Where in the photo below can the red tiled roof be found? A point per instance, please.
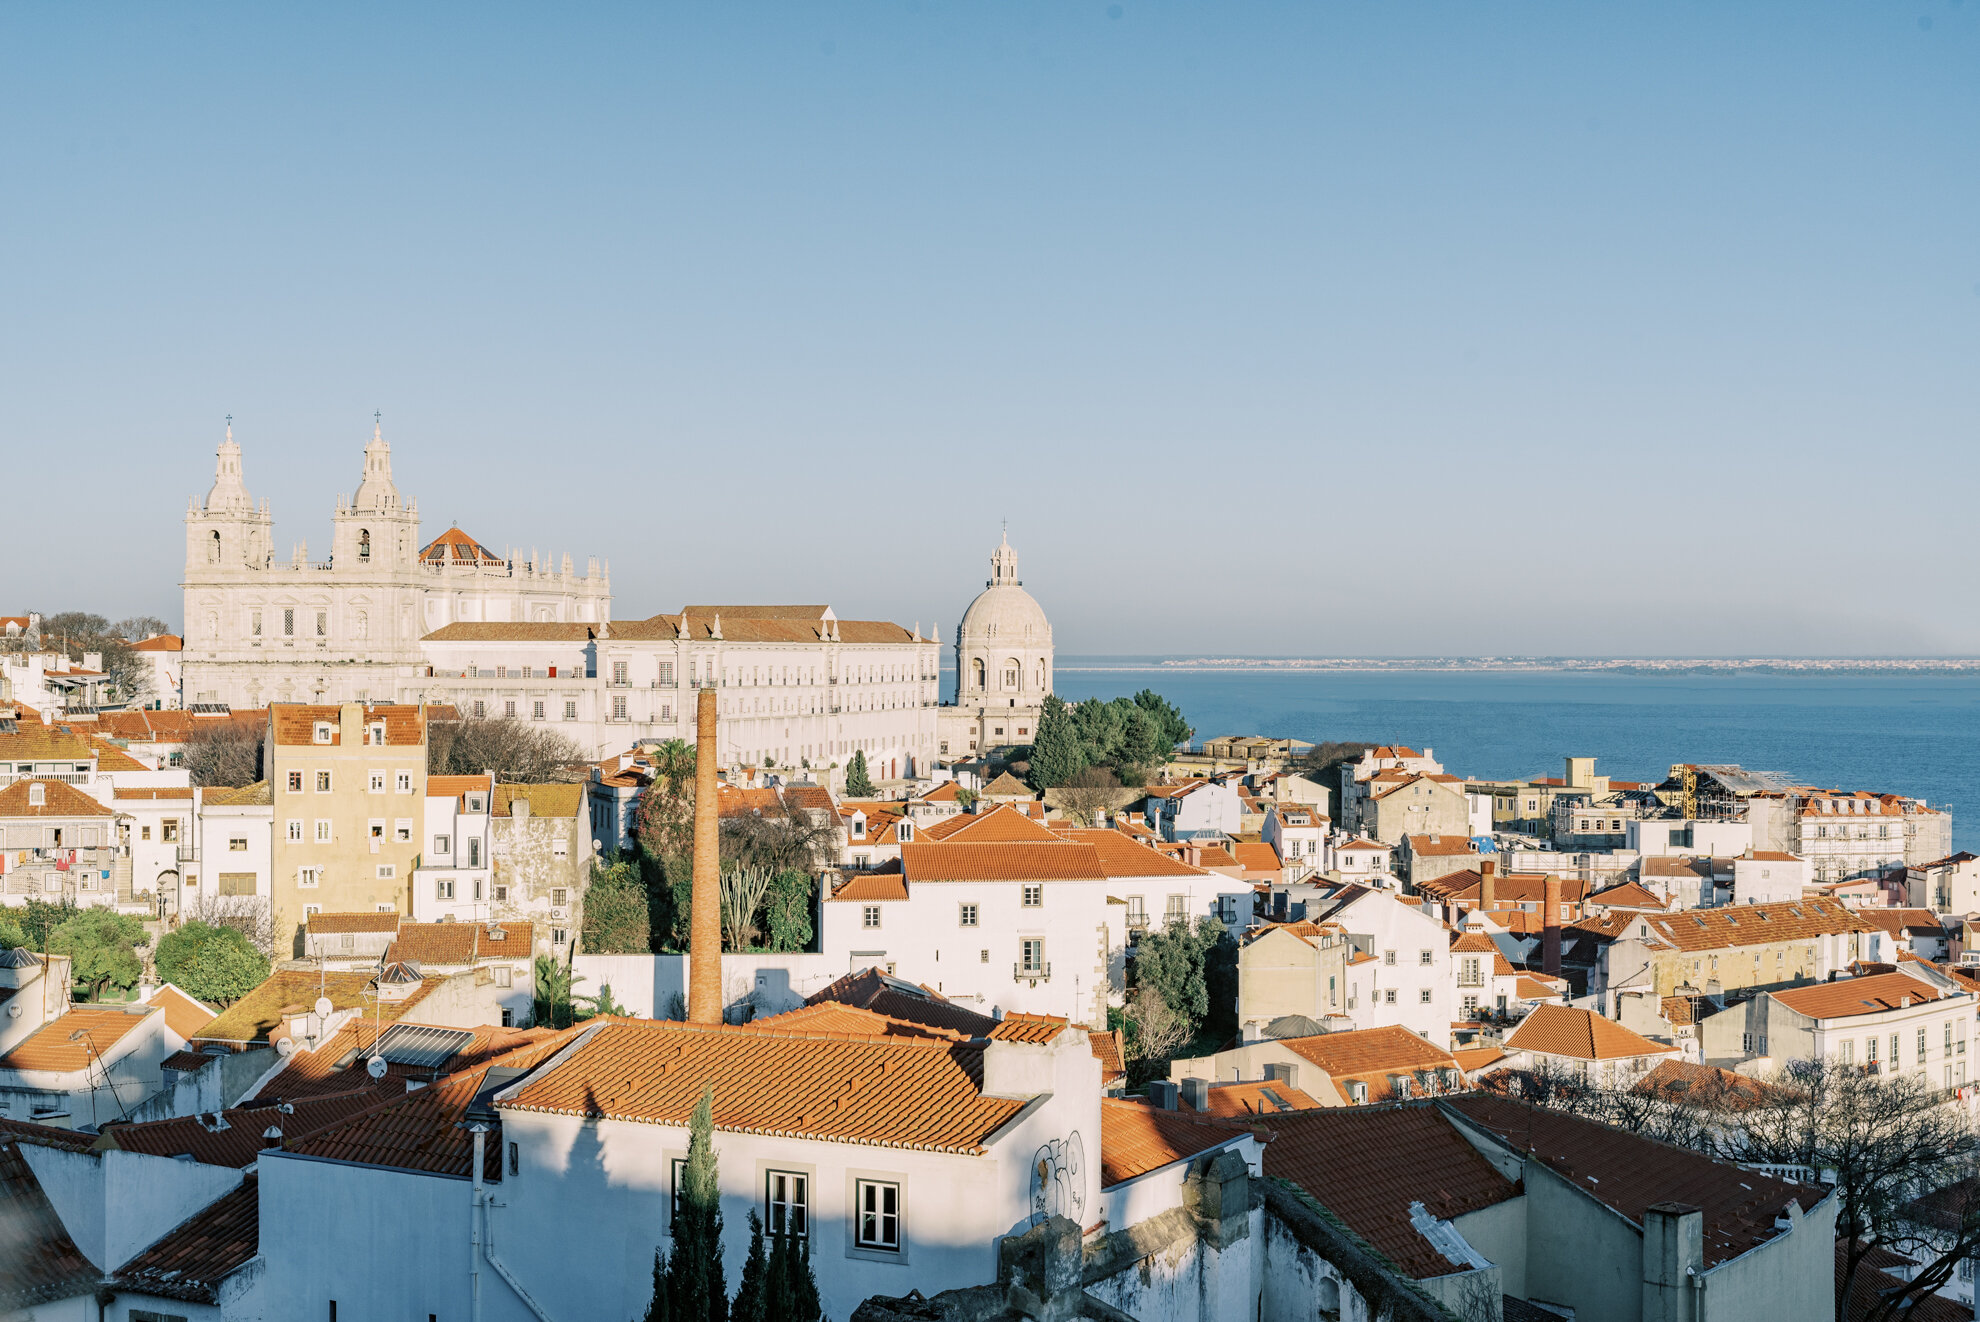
(1256, 856)
(59, 799)
(873, 990)
(234, 1137)
(1002, 824)
(452, 787)
(39, 1263)
(838, 1017)
(1847, 997)
(1238, 1101)
(1370, 1166)
(1628, 1173)
(1756, 924)
(337, 1066)
(1107, 1050)
(289, 992)
(160, 642)
(191, 1260)
(1903, 922)
(1701, 1085)
(881, 1091)
(872, 886)
(1123, 856)
(461, 943)
(183, 1015)
(1058, 861)
(1561, 1030)
(1014, 1027)
(294, 723)
(1370, 1056)
(1441, 846)
(331, 924)
(49, 1047)
(1136, 1139)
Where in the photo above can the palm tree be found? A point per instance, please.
(666, 811)
(554, 985)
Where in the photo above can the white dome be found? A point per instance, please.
(1004, 613)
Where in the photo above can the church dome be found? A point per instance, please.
(1004, 611)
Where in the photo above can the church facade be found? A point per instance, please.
(1003, 666)
(261, 630)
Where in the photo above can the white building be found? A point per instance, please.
(89, 1066)
(1195, 809)
(1003, 666)
(1915, 1021)
(1003, 914)
(161, 653)
(1768, 876)
(1298, 834)
(1408, 981)
(1364, 777)
(260, 630)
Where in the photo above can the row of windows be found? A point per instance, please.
(375, 782)
(308, 878)
(325, 834)
(877, 1210)
(1953, 1046)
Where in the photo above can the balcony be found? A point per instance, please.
(1042, 973)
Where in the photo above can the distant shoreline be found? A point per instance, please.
(1530, 665)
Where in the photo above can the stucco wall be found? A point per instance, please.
(114, 1204)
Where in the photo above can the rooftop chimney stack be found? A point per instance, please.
(705, 908)
(1488, 885)
(1550, 928)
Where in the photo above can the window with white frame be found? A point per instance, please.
(443, 844)
(295, 782)
(323, 830)
(570, 711)
(1031, 955)
(787, 1203)
(322, 782)
(443, 888)
(308, 877)
(966, 915)
(295, 830)
(404, 783)
(1389, 997)
(1034, 896)
(402, 830)
(877, 1215)
(870, 916)
(387, 871)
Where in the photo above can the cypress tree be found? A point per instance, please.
(752, 1294)
(859, 785)
(656, 1310)
(696, 1291)
(1059, 751)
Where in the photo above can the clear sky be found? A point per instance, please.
(1335, 329)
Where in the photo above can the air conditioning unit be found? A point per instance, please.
(557, 913)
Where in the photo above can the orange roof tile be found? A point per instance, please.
(49, 1047)
(1107, 1050)
(332, 924)
(290, 992)
(1015, 1027)
(1372, 1166)
(870, 989)
(1058, 861)
(1136, 1139)
(461, 943)
(1256, 856)
(153, 794)
(234, 1137)
(1756, 924)
(1561, 1030)
(160, 642)
(879, 1091)
(1473, 1059)
(1441, 846)
(295, 723)
(1370, 1056)
(871, 887)
(1259, 1097)
(1123, 856)
(59, 799)
(190, 1261)
(184, 1014)
(836, 1017)
(1847, 997)
(1001, 824)
(337, 1065)
(452, 787)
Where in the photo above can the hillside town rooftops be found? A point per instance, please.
(95, 1032)
(1561, 1030)
(1370, 1056)
(461, 943)
(190, 1262)
(1136, 1139)
(870, 989)
(48, 798)
(296, 724)
(1846, 998)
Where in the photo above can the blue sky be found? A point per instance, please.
(1309, 329)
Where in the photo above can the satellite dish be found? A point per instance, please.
(323, 1007)
(285, 1047)
(375, 1067)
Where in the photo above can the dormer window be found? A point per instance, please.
(905, 830)
(859, 826)
(474, 803)
(37, 796)
(376, 734)
(323, 732)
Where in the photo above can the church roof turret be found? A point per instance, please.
(229, 492)
(376, 491)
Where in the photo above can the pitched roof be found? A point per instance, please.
(1256, 856)
(1441, 846)
(337, 1064)
(1562, 1030)
(1756, 924)
(461, 943)
(49, 1047)
(1628, 1173)
(152, 794)
(512, 631)
(59, 799)
(871, 887)
(1874, 1283)
(1477, 943)
(1136, 1139)
(1000, 824)
(452, 787)
(1370, 1056)
(332, 924)
(191, 1260)
(234, 1137)
(160, 642)
(454, 547)
(1848, 997)
(39, 1263)
(1108, 1051)
(1507, 887)
(870, 989)
(292, 991)
(246, 796)
(1058, 861)
(1629, 895)
(1015, 1027)
(1009, 784)
(294, 723)
(184, 1015)
(838, 1017)
(1259, 1097)
(879, 1091)
(1373, 1166)
(1124, 856)
(1701, 1085)
(1903, 922)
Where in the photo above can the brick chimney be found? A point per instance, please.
(705, 908)
(1488, 885)
(1550, 927)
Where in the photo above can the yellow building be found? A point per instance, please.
(349, 785)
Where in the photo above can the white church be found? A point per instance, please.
(389, 618)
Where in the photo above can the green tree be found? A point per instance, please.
(1142, 744)
(554, 985)
(1189, 970)
(616, 917)
(750, 1304)
(787, 910)
(102, 947)
(589, 1007)
(1171, 726)
(664, 820)
(859, 785)
(694, 1285)
(656, 1310)
(215, 964)
(41, 917)
(11, 932)
(791, 1291)
(1058, 753)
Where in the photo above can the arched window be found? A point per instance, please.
(361, 625)
(1011, 672)
(976, 673)
(364, 544)
(1038, 677)
(213, 548)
